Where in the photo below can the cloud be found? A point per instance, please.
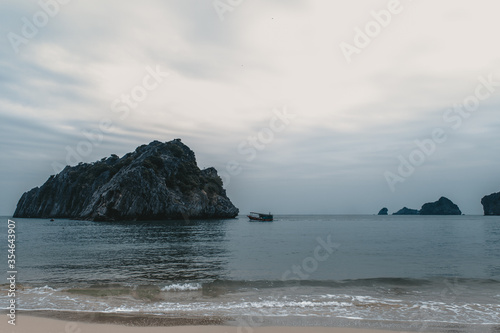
(353, 120)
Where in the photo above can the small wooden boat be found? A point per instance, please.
(260, 217)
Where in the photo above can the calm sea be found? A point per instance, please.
(416, 271)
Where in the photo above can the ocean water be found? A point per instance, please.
(414, 271)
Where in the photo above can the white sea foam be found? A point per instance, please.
(321, 305)
(348, 317)
(182, 287)
(41, 290)
(420, 312)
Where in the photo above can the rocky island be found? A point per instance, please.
(491, 204)
(443, 206)
(406, 211)
(383, 211)
(156, 181)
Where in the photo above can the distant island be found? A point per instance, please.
(406, 211)
(383, 211)
(443, 206)
(156, 181)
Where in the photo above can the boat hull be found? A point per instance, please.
(260, 219)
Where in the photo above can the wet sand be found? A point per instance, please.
(124, 324)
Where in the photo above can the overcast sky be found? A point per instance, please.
(303, 106)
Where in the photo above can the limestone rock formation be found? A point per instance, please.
(156, 181)
(491, 204)
(383, 211)
(443, 206)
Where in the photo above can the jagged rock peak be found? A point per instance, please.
(160, 180)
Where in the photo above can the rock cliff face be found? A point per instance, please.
(156, 181)
(443, 206)
(406, 211)
(383, 211)
(491, 204)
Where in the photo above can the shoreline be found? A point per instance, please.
(42, 324)
(76, 322)
(124, 319)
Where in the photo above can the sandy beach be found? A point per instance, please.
(29, 324)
